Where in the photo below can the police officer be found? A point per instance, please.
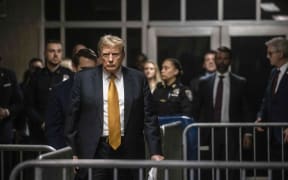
(39, 89)
(172, 97)
(10, 103)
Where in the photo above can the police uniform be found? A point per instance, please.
(10, 99)
(37, 95)
(172, 100)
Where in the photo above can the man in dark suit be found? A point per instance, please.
(208, 66)
(59, 102)
(91, 134)
(225, 104)
(275, 101)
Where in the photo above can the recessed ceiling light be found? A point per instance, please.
(280, 17)
(270, 7)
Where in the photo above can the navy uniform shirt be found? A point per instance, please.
(11, 99)
(172, 100)
(39, 90)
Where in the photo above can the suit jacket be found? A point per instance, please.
(11, 98)
(85, 124)
(57, 109)
(203, 108)
(274, 107)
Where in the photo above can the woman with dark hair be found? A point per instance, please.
(171, 97)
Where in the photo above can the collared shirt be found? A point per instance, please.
(282, 69)
(226, 95)
(119, 82)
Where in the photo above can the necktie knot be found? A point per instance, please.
(221, 77)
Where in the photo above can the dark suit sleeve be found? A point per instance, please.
(54, 120)
(30, 96)
(15, 102)
(73, 116)
(151, 123)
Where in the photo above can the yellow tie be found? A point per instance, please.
(113, 115)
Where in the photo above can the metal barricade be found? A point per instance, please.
(227, 132)
(15, 153)
(141, 165)
(55, 173)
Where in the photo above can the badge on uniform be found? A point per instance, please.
(189, 94)
(163, 100)
(175, 92)
(65, 77)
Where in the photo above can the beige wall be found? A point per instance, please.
(20, 34)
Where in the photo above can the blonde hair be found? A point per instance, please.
(110, 40)
(280, 43)
(157, 77)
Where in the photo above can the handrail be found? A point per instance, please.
(217, 125)
(55, 153)
(24, 147)
(105, 163)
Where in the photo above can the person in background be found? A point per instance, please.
(39, 88)
(209, 68)
(171, 97)
(60, 97)
(20, 122)
(11, 102)
(275, 102)
(111, 113)
(76, 48)
(221, 98)
(152, 74)
(140, 60)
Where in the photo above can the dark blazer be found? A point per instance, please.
(86, 115)
(11, 98)
(57, 109)
(203, 109)
(274, 107)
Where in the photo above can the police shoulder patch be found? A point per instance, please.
(189, 94)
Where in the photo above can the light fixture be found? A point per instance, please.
(269, 7)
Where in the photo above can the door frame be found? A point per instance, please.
(155, 32)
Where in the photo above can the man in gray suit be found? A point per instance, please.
(89, 133)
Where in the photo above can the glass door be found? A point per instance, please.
(186, 44)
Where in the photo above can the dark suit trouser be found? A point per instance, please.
(220, 152)
(104, 151)
(276, 155)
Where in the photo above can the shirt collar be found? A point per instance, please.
(118, 75)
(284, 67)
(224, 74)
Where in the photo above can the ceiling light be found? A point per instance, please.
(280, 17)
(270, 7)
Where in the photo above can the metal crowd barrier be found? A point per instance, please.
(13, 154)
(55, 173)
(141, 165)
(241, 128)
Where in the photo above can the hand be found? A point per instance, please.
(286, 135)
(247, 141)
(259, 129)
(4, 113)
(157, 157)
(76, 169)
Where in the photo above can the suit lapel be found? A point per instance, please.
(128, 90)
(98, 84)
(284, 82)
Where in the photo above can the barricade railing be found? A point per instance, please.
(141, 165)
(227, 132)
(15, 153)
(55, 173)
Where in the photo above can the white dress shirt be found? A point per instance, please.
(225, 97)
(120, 89)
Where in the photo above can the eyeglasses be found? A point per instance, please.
(107, 55)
